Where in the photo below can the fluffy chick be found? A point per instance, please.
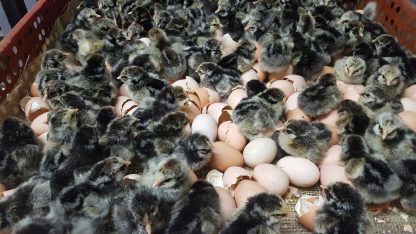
(242, 59)
(141, 84)
(309, 140)
(261, 214)
(375, 101)
(209, 52)
(217, 78)
(195, 150)
(197, 212)
(87, 43)
(406, 169)
(321, 97)
(350, 70)
(275, 55)
(54, 59)
(343, 211)
(374, 179)
(352, 119)
(259, 113)
(390, 137)
(388, 78)
(20, 153)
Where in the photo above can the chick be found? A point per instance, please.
(242, 59)
(113, 44)
(406, 170)
(36, 225)
(209, 52)
(352, 119)
(195, 150)
(350, 70)
(87, 43)
(259, 113)
(309, 140)
(197, 212)
(255, 87)
(101, 27)
(20, 153)
(309, 63)
(104, 117)
(54, 59)
(390, 137)
(375, 101)
(374, 179)
(276, 54)
(321, 97)
(140, 83)
(261, 214)
(343, 211)
(389, 79)
(217, 78)
(170, 63)
(108, 9)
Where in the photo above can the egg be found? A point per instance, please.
(203, 96)
(260, 150)
(236, 95)
(228, 132)
(353, 92)
(333, 173)
(301, 171)
(124, 105)
(233, 175)
(306, 209)
(280, 75)
(215, 110)
(246, 189)
(285, 86)
(188, 84)
(215, 178)
(40, 124)
(190, 108)
(34, 90)
(213, 96)
(329, 119)
(34, 106)
(260, 74)
(249, 75)
(124, 91)
(206, 125)
(297, 114)
(193, 97)
(272, 178)
(410, 92)
(227, 204)
(409, 118)
(408, 104)
(332, 156)
(229, 45)
(225, 156)
(43, 138)
(298, 82)
(292, 102)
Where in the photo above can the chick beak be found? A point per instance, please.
(350, 72)
(246, 29)
(384, 135)
(157, 183)
(122, 78)
(149, 228)
(126, 162)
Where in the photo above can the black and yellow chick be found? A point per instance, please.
(389, 79)
(351, 70)
(276, 54)
(321, 97)
(406, 170)
(261, 214)
(195, 150)
(88, 44)
(197, 212)
(242, 59)
(352, 119)
(374, 179)
(375, 101)
(309, 140)
(343, 211)
(209, 52)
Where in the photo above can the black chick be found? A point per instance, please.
(321, 97)
(197, 212)
(343, 211)
(242, 59)
(209, 52)
(276, 54)
(352, 119)
(406, 170)
(20, 154)
(217, 78)
(261, 214)
(195, 150)
(375, 101)
(226, 11)
(114, 42)
(104, 117)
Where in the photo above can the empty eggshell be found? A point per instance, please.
(227, 204)
(188, 84)
(225, 156)
(298, 82)
(236, 95)
(215, 110)
(215, 178)
(34, 106)
(333, 173)
(206, 125)
(213, 96)
(306, 208)
(272, 178)
(332, 156)
(410, 92)
(229, 45)
(408, 104)
(409, 118)
(260, 74)
(285, 86)
(301, 171)
(190, 108)
(124, 104)
(233, 175)
(249, 75)
(203, 96)
(229, 132)
(246, 189)
(292, 102)
(40, 124)
(260, 150)
(297, 114)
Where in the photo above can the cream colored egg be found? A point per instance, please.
(227, 204)
(206, 125)
(297, 81)
(272, 178)
(236, 96)
(285, 86)
(249, 75)
(225, 156)
(409, 118)
(297, 114)
(246, 189)
(233, 175)
(228, 132)
(333, 173)
(292, 102)
(260, 150)
(301, 172)
(332, 156)
(188, 84)
(410, 92)
(408, 104)
(40, 124)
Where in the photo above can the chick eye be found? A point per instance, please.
(379, 128)
(165, 181)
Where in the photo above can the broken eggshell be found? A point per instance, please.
(188, 84)
(228, 132)
(215, 178)
(306, 208)
(233, 175)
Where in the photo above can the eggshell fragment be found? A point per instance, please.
(213, 96)
(124, 104)
(215, 178)
(298, 82)
(225, 156)
(285, 86)
(233, 175)
(40, 124)
(408, 104)
(409, 118)
(333, 173)
(272, 178)
(246, 189)
(206, 125)
(249, 75)
(334, 135)
(229, 45)
(292, 102)
(190, 108)
(301, 171)
(34, 107)
(410, 92)
(203, 96)
(236, 96)
(260, 74)
(188, 84)
(34, 90)
(229, 132)
(297, 114)
(215, 110)
(332, 156)
(260, 150)
(281, 74)
(306, 209)
(227, 204)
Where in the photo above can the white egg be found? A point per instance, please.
(272, 178)
(258, 151)
(301, 171)
(206, 125)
